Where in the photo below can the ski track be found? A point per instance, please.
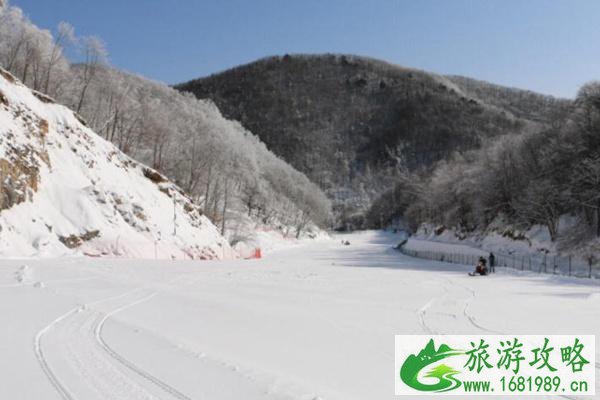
(421, 316)
(428, 308)
(470, 317)
(422, 312)
(80, 329)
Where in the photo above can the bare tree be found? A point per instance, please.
(66, 34)
(95, 53)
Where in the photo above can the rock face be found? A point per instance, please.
(348, 121)
(65, 190)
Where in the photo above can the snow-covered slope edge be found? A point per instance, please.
(65, 190)
(502, 238)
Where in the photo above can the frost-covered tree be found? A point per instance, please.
(94, 53)
(66, 34)
(226, 168)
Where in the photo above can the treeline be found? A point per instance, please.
(518, 180)
(525, 104)
(350, 122)
(227, 169)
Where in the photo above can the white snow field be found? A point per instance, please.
(315, 321)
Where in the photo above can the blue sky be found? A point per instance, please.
(550, 46)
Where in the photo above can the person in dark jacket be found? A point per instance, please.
(492, 262)
(481, 268)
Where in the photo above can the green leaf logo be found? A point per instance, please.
(409, 372)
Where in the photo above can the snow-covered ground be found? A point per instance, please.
(430, 245)
(314, 321)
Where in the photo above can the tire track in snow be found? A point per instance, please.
(88, 364)
(39, 353)
(124, 361)
(74, 326)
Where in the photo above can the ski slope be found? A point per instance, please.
(315, 321)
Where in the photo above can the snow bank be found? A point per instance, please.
(427, 245)
(497, 238)
(67, 191)
(247, 235)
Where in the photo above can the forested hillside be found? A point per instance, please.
(225, 168)
(521, 103)
(549, 178)
(351, 123)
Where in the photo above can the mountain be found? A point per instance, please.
(65, 190)
(350, 122)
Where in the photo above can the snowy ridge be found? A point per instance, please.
(64, 190)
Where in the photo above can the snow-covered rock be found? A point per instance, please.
(65, 190)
